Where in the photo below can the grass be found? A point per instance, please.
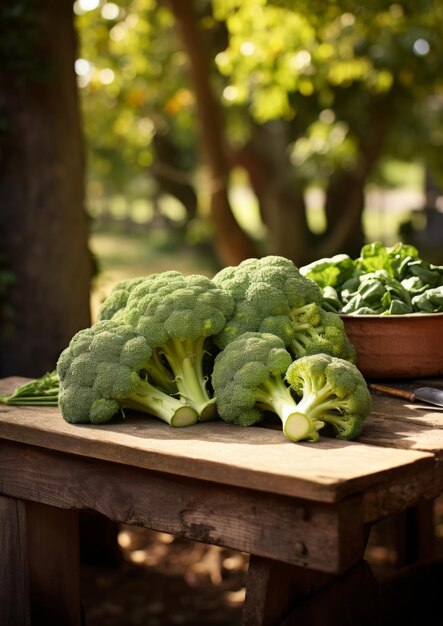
(121, 255)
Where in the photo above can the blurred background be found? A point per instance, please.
(143, 135)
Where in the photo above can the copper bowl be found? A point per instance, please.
(397, 346)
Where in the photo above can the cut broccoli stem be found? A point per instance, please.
(186, 361)
(161, 405)
(273, 395)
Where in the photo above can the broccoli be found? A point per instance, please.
(104, 370)
(272, 296)
(177, 314)
(42, 391)
(248, 379)
(115, 302)
(331, 390)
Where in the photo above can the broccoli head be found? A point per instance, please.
(272, 296)
(104, 369)
(176, 314)
(248, 379)
(117, 299)
(331, 390)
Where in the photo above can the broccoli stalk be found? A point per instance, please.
(185, 357)
(150, 399)
(332, 390)
(318, 331)
(42, 391)
(176, 314)
(274, 396)
(160, 375)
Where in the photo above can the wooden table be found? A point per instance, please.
(302, 511)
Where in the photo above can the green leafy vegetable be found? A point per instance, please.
(381, 281)
(39, 392)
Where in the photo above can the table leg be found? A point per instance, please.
(273, 588)
(14, 589)
(41, 566)
(414, 534)
(283, 595)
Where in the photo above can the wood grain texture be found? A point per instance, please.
(256, 458)
(349, 600)
(14, 581)
(309, 534)
(273, 588)
(53, 565)
(39, 565)
(418, 429)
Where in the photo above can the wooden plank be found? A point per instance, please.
(273, 588)
(39, 565)
(309, 534)
(350, 600)
(53, 565)
(256, 458)
(414, 534)
(394, 423)
(287, 595)
(414, 413)
(14, 581)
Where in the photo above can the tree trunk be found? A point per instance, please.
(43, 225)
(170, 177)
(279, 193)
(345, 201)
(231, 242)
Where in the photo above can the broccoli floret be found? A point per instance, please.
(331, 390)
(248, 379)
(117, 299)
(104, 369)
(319, 331)
(272, 296)
(42, 391)
(177, 314)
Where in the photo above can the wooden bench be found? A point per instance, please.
(302, 511)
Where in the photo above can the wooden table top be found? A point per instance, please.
(399, 441)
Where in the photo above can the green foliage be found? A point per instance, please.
(134, 85)
(336, 74)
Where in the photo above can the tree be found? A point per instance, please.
(296, 93)
(232, 243)
(333, 86)
(43, 227)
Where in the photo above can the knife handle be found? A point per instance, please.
(392, 391)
